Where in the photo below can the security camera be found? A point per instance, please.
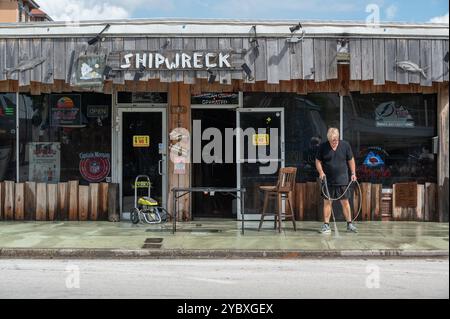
(296, 27)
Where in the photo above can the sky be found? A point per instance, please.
(389, 10)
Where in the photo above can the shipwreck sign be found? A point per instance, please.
(174, 60)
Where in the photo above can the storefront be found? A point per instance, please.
(171, 100)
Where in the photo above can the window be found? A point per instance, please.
(7, 136)
(307, 119)
(391, 136)
(65, 137)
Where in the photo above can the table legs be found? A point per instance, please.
(174, 203)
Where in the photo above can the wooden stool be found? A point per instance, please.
(284, 189)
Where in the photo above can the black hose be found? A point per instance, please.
(326, 194)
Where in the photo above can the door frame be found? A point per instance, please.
(143, 109)
(238, 153)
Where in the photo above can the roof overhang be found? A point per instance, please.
(229, 28)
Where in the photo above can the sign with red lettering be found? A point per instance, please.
(95, 167)
(65, 110)
(44, 162)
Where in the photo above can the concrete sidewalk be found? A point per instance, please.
(219, 239)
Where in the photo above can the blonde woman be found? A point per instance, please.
(334, 160)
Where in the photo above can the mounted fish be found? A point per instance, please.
(24, 66)
(409, 66)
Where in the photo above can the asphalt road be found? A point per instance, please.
(222, 279)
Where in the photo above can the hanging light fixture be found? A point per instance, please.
(95, 39)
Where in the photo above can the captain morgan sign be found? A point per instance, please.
(95, 167)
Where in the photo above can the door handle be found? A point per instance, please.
(160, 168)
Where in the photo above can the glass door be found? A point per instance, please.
(260, 154)
(143, 152)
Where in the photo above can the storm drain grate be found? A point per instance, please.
(153, 243)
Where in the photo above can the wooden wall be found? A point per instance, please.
(308, 206)
(179, 117)
(50, 202)
(443, 157)
(273, 62)
(99, 202)
(375, 59)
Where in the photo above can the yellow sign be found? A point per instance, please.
(261, 140)
(141, 141)
(142, 184)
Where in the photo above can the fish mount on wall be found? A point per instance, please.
(409, 66)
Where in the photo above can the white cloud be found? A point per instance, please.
(441, 19)
(69, 10)
(254, 8)
(391, 12)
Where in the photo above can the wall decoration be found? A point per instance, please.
(95, 167)
(373, 160)
(141, 141)
(390, 115)
(215, 98)
(97, 111)
(65, 110)
(44, 162)
(261, 140)
(89, 70)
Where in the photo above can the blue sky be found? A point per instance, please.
(390, 10)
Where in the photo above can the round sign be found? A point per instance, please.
(65, 103)
(95, 169)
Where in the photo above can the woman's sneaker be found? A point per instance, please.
(351, 228)
(325, 229)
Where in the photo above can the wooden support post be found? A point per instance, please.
(9, 200)
(376, 202)
(63, 201)
(180, 117)
(396, 211)
(443, 156)
(1, 200)
(20, 202)
(366, 189)
(113, 203)
(300, 199)
(430, 202)
(30, 201)
(52, 195)
(311, 204)
(41, 202)
(83, 203)
(73, 200)
(420, 210)
(93, 201)
(103, 201)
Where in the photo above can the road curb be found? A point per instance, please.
(26, 253)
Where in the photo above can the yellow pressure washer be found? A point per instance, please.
(147, 209)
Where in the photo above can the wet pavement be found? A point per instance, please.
(223, 235)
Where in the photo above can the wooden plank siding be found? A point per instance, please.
(320, 64)
(274, 61)
(379, 69)
(24, 55)
(2, 59)
(414, 56)
(355, 59)
(425, 62)
(402, 55)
